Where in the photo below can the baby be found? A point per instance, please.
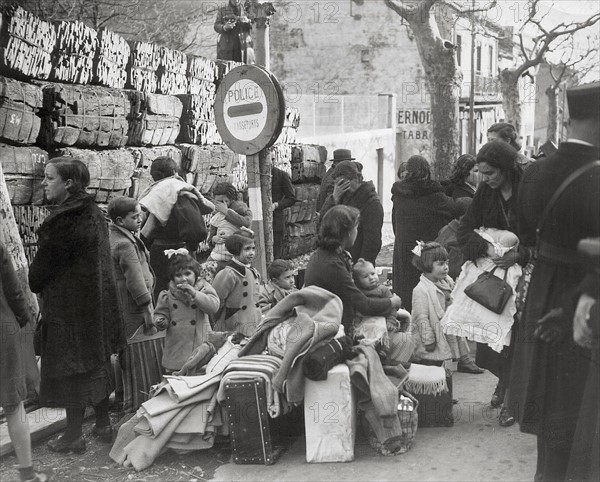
(395, 330)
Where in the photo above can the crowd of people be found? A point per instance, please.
(498, 214)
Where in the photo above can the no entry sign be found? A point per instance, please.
(249, 109)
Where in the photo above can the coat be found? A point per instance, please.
(228, 44)
(366, 200)
(420, 210)
(188, 323)
(547, 390)
(133, 276)
(237, 286)
(270, 294)
(456, 190)
(332, 270)
(429, 306)
(18, 369)
(73, 272)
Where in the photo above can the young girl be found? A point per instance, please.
(183, 309)
(431, 297)
(330, 267)
(230, 215)
(238, 286)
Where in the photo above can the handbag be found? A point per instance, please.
(490, 291)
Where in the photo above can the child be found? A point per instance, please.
(281, 273)
(183, 309)
(430, 300)
(395, 335)
(330, 267)
(133, 276)
(230, 215)
(237, 286)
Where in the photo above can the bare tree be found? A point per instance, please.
(442, 74)
(545, 41)
(568, 71)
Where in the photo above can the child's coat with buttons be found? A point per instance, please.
(188, 322)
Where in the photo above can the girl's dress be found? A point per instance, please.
(429, 304)
(237, 286)
(465, 317)
(188, 321)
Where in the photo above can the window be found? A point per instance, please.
(491, 60)
(478, 64)
(459, 50)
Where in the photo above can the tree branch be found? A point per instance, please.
(400, 9)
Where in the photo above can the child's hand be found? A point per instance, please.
(218, 239)
(396, 302)
(187, 289)
(161, 323)
(430, 347)
(392, 327)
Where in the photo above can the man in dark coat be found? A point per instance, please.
(339, 155)
(283, 195)
(232, 23)
(350, 190)
(549, 368)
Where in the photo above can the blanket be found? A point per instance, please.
(316, 315)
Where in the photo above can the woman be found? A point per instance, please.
(494, 206)
(82, 325)
(504, 132)
(420, 210)
(330, 267)
(463, 179)
(18, 370)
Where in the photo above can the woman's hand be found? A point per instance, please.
(506, 261)
(221, 207)
(340, 188)
(552, 328)
(582, 333)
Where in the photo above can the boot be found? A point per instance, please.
(468, 366)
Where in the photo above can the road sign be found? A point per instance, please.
(249, 109)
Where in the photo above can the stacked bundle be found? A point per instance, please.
(154, 119)
(26, 44)
(110, 171)
(239, 175)
(143, 64)
(201, 74)
(19, 103)
(290, 126)
(198, 118)
(84, 116)
(171, 72)
(111, 60)
(305, 207)
(308, 169)
(209, 165)
(143, 158)
(23, 169)
(281, 157)
(73, 59)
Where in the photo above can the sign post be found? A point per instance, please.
(249, 113)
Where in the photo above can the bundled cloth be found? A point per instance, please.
(313, 315)
(465, 317)
(249, 368)
(182, 414)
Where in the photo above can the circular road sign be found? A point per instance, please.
(249, 109)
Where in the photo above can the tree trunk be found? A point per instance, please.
(444, 80)
(10, 238)
(552, 128)
(265, 164)
(511, 100)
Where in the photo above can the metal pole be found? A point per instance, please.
(472, 90)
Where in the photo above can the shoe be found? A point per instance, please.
(469, 367)
(42, 476)
(506, 419)
(105, 434)
(497, 397)
(63, 445)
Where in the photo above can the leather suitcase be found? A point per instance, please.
(436, 410)
(249, 423)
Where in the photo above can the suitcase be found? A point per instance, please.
(249, 423)
(436, 410)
